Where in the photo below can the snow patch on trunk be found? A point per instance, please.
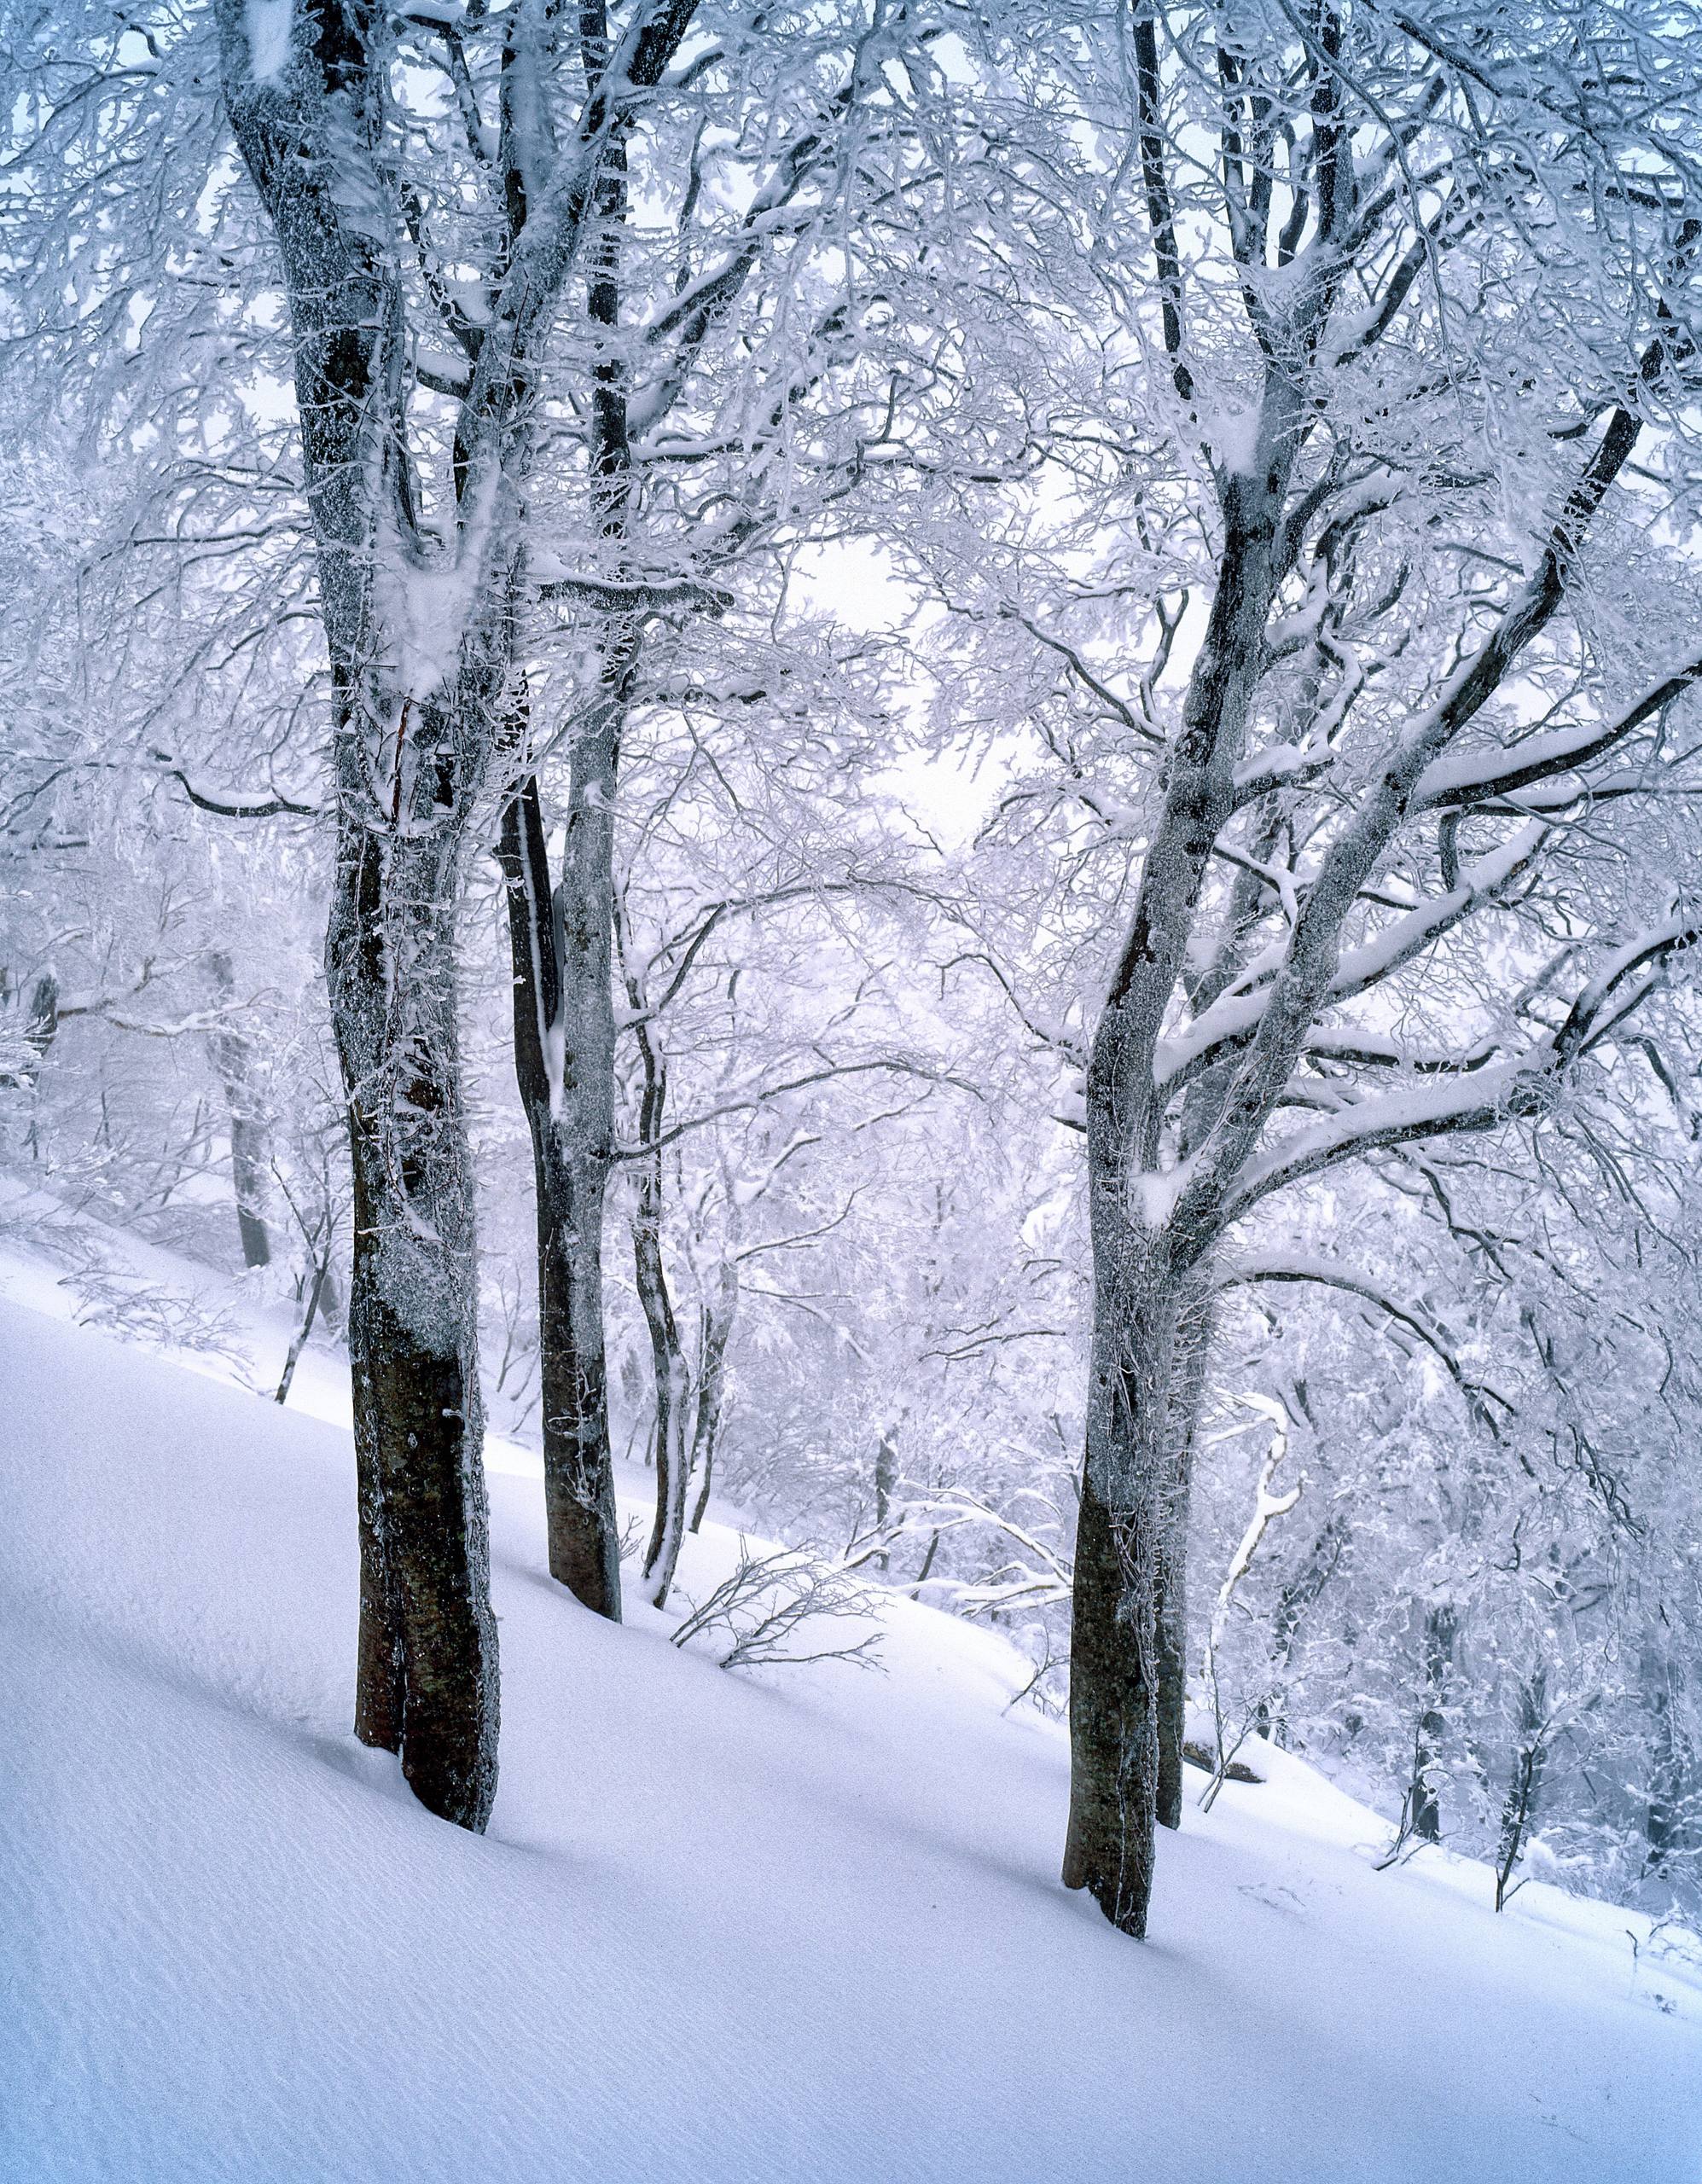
(267, 23)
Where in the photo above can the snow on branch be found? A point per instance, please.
(1298, 1267)
(1452, 784)
(1267, 1506)
(1238, 1014)
(1523, 1084)
(268, 806)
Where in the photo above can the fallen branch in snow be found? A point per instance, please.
(766, 1602)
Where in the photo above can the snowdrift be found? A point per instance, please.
(805, 1929)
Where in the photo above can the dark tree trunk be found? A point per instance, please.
(428, 1660)
(564, 1061)
(578, 1472)
(316, 1290)
(1127, 1579)
(667, 1360)
(1171, 1642)
(1113, 1717)
(1525, 1783)
(250, 1146)
(1663, 1831)
(1193, 1341)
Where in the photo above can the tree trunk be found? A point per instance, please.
(1438, 1656)
(316, 1290)
(1113, 1716)
(1194, 1344)
(718, 1319)
(249, 1149)
(668, 1364)
(428, 1660)
(1126, 1568)
(1663, 1828)
(1525, 1783)
(564, 1061)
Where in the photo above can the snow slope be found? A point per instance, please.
(806, 1930)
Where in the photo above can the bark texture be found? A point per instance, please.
(1128, 1635)
(428, 1672)
(564, 1060)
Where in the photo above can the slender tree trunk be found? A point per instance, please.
(1194, 1342)
(1524, 1784)
(428, 1661)
(717, 1318)
(564, 1061)
(582, 1526)
(316, 1288)
(669, 1376)
(1438, 1656)
(1663, 1828)
(250, 1146)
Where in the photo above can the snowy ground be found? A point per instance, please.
(807, 1931)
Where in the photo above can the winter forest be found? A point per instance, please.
(885, 816)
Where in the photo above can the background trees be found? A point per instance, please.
(1076, 643)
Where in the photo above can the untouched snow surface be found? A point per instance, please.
(802, 1931)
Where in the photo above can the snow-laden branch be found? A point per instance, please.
(1478, 777)
(1393, 946)
(1330, 1273)
(1522, 1084)
(271, 806)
